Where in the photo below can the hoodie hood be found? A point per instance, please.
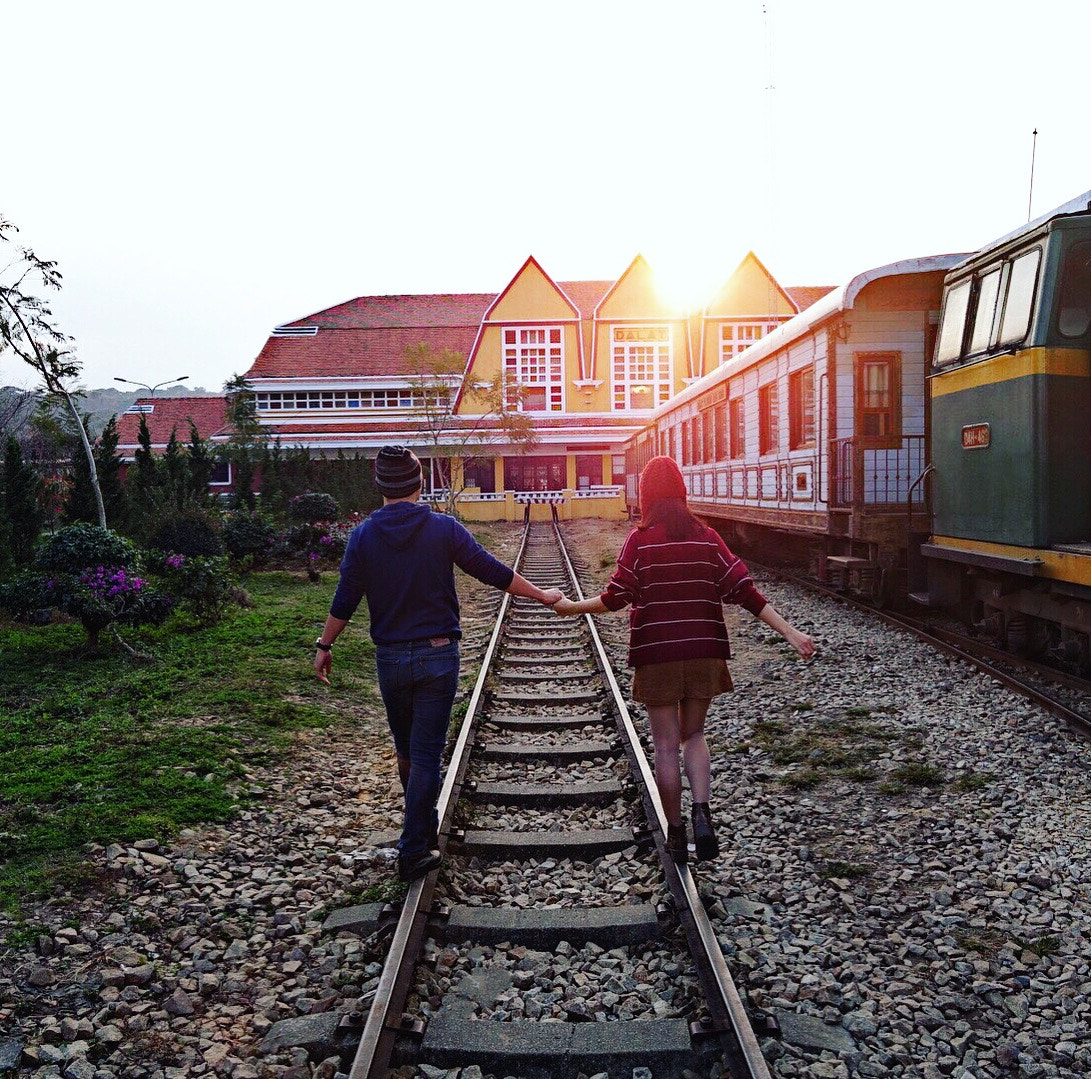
(397, 524)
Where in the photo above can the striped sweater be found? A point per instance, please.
(676, 589)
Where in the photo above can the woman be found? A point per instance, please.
(676, 573)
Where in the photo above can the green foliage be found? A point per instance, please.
(313, 506)
(88, 573)
(80, 505)
(248, 536)
(189, 534)
(98, 749)
(203, 586)
(21, 509)
(83, 545)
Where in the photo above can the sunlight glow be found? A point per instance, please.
(688, 277)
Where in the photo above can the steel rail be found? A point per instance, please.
(372, 1058)
(723, 984)
(978, 654)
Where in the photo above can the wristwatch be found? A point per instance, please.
(322, 647)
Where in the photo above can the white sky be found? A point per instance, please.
(203, 172)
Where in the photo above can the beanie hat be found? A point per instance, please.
(397, 472)
(661, 478)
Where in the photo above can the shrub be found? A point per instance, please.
(203, 586)
(190, 534)
(78, 546)
(313, 506)
(88, 573)
(249, 535)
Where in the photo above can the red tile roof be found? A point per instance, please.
(805, 295)
(367, 337)
(172, 413)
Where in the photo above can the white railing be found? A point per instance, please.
(598, 492)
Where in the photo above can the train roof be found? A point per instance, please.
(833, 303)
(1079, 205)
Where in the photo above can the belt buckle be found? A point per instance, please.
(439, 642)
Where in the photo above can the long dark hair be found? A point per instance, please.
(674, 515)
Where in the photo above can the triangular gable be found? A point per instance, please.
(634, 295)
(531, 296)
(751, 290)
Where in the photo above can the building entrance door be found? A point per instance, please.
(534, 473)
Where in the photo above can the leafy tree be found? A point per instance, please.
(28, 330)
(80, 505)
(439, 383)
(245, 446)
(23, 508)
(200, 465)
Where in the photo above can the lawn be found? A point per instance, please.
(103, 749)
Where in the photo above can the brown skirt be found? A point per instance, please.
(681, 679)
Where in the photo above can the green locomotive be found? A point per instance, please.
(1010, 427)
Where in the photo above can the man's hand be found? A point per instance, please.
(564, 606)
(550, 596)
(323, 664)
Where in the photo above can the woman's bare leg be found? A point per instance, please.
(692, 712)
(663, 720)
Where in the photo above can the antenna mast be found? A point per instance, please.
(1033, 150)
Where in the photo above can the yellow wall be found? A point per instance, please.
(531, 296)
(751, 290)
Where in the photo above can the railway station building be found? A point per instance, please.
(583, 362)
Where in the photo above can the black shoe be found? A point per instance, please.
(420, 865)
(677, 846)
(704, 835)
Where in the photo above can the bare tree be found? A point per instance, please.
(438, 384)
(27, 328)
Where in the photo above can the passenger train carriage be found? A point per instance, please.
(811, 442)
(1011, 438)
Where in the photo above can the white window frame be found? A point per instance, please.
(533, 359)
(641, 362)
(380, 399)
(737, 336)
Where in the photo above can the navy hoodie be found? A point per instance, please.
(402, 559)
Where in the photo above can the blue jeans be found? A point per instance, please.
(418, 682)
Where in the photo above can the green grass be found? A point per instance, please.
(101, 749)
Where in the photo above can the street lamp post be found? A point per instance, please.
(152, 389)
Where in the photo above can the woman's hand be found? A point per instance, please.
(801, 642)
(565, 606)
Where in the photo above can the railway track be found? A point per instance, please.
(558, 937)
(1064, 695)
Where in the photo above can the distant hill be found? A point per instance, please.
(107, 402)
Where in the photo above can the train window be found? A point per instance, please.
(721, 433)
(801, 429)
(951, 329)
(988, 289)
(1020, 299)
(878, 397)
(768, 418)
(708, 431)
(1074, 306)
(738, 427)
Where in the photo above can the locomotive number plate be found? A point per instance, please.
(975, 436)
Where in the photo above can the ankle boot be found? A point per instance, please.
(704, 835)
(677, 846)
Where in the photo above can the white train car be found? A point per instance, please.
(812, 441)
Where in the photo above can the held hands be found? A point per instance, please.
(565, 606)
(551, 596)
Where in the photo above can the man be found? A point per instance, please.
(402, 560)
